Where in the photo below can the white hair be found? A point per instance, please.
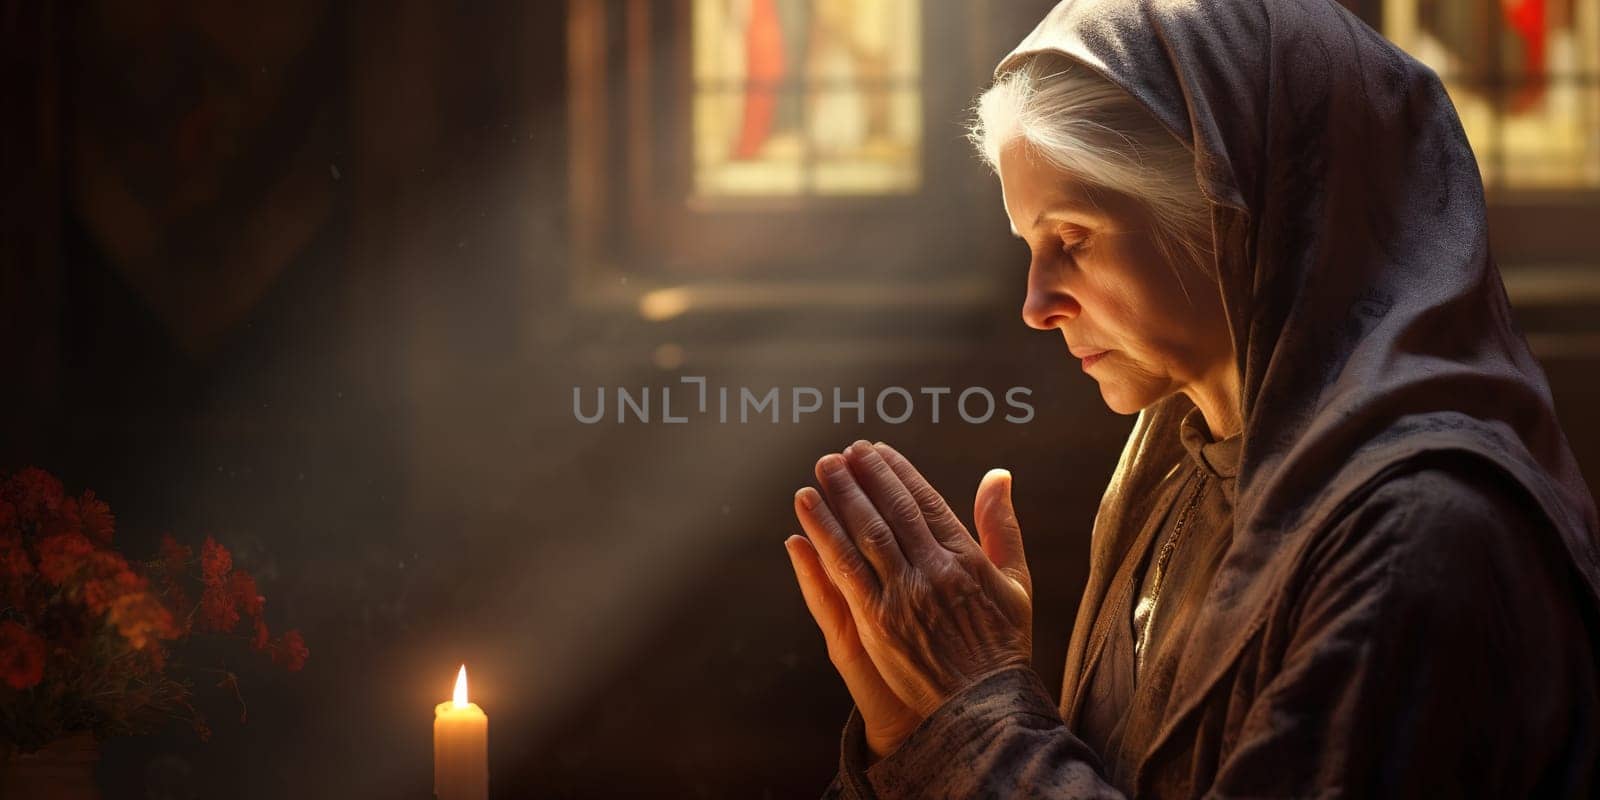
(1086, 125)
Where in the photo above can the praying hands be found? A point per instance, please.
(913, 610)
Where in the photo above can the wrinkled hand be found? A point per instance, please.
(931, 609)
(887, 720)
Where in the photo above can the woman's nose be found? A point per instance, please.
(1048, 303)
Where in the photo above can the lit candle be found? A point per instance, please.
(460, 747)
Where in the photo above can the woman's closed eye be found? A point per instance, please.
(1073, 238)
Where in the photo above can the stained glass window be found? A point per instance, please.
(1524, 76)
(807, 97)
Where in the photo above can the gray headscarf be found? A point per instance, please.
(1369, 319)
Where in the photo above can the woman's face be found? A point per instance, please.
(1097, 275)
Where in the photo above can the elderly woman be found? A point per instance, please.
(1346, 550)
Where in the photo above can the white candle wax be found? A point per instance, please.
(460, 747)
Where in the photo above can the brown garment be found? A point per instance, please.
(1128, 691)
(1408, 600)
(1434, 646)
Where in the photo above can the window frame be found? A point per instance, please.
(637, 229)
(1528, 227)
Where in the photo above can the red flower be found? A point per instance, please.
(34, 492)
(15, 568)
(215, 562)
(103, 621)
(21, 656)
(174, 557)
(290, 652)
(141, 619)
(64, 519)
(14, 562)
(61, 555)
(8, 515)
(242, 585)
(219, 609)
(111, 579)
(174, 563)
(95, 518)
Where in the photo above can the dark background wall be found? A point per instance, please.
(301, 279)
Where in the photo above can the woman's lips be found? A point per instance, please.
(1089, 355)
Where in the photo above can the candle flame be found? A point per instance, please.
(461, 688)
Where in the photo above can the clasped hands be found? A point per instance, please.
(912, 609)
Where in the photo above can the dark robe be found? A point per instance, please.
(1433, 645)
(1406, 602)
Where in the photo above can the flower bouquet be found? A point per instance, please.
(87, 635)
